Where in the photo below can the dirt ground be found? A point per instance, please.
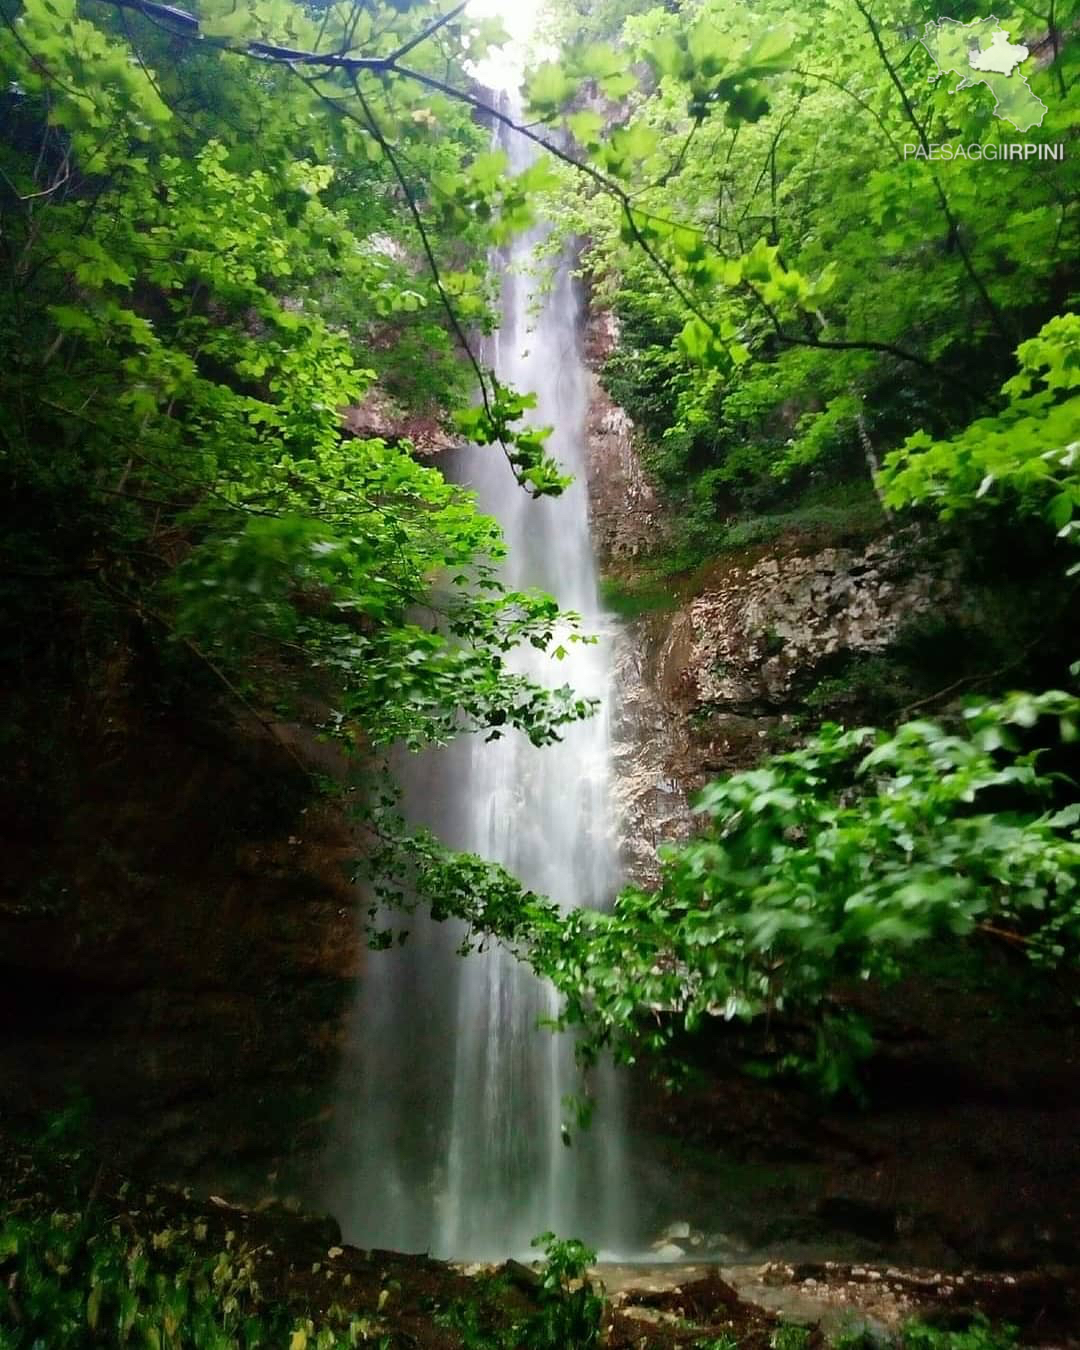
(418, 1302)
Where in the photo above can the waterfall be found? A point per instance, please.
(458, 1140)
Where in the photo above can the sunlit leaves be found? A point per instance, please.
(604, 64)
(229, 20)
(829, 863)
(1028, 454)
(548, 88)
(771, 51)
(587, 127)
(715, 69)
(1051, 357)
(493, 422)
(232, 282)
(718, 68)
(484, 192)
(52, 48)
(487, 170)
(624, 153)
(818, 179)
(711, 345)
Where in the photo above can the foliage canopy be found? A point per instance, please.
(222, 229)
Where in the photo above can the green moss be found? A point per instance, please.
(631, 598)
(842, 515)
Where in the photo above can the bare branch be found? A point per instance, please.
(190, 26)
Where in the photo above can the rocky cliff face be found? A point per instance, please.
(749, 643)
(627, 522)
(717, 677)
(627, 519)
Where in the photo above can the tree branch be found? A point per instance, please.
(837, 344)
(190, 26)
(392, 64)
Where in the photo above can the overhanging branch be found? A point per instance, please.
(189, 25)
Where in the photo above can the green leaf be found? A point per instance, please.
(586, 126)
(548, 88)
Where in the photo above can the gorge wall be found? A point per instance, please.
(967, 1145)
(717, 671)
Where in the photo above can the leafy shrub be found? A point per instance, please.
(1027, 455)
(980, 1335)
(571, 1308)
(568, 1313)
(790, 1337)
(70, 1283)
(833, 862)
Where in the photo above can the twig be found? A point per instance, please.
(971, 679)
(1004, 933)
(947, 211)
(191, 27)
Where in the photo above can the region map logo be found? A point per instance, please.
(980, 52)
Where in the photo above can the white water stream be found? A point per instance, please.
(457, 1142)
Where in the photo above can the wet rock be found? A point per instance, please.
(698, 1300)
(525, 1277)
(706, 686)
(624, 509)
(308, 1234)
(650, 800)
(377, 417)
(758, 631)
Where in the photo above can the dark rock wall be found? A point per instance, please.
(177, 939)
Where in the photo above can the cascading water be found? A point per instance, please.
(458, 1143)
